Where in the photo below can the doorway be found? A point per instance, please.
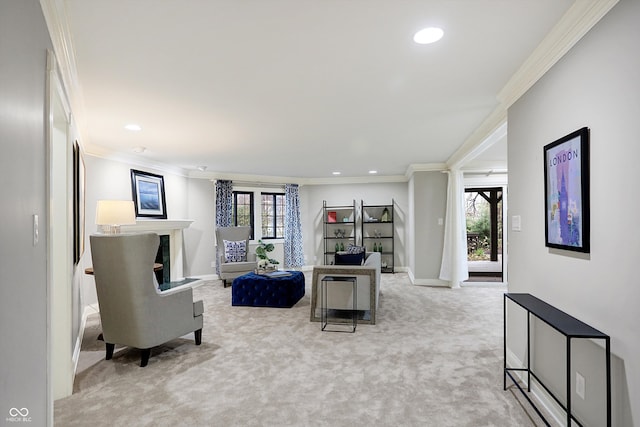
(484, 211)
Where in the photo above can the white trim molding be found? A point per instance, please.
(573, 25)
(55, 16)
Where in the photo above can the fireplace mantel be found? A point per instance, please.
(171, 227)
(158, 225)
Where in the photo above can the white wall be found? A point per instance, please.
(23, 166)
(597, 84)
(312, 196)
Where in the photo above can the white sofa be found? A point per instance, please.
(341, 298)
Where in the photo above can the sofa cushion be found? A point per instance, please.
(235, 251)
(349, 259)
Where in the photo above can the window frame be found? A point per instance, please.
(234, 219)
(274, 195)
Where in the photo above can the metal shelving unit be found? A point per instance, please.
(338, 219)
(378, 232)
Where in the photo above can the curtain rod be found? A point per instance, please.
(257, 184)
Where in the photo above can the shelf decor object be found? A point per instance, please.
(385, 215)
(566, 192)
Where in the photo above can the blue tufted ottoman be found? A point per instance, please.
(256, 290)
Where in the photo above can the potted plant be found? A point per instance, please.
(262, 253)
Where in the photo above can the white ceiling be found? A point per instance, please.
(297, 88)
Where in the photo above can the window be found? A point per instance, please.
(273, 215)
(243, 209)
(270, 223)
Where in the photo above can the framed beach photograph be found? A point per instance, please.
(566, 192)
(148, 195)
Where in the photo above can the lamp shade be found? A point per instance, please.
(115, 212)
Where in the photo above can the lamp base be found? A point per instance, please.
(110, 229)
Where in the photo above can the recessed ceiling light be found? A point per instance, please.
(133, 127)
(139, 149)
(428, 35)
(372, 172)
(336, 173)
(202, 168)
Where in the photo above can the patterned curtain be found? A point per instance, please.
(224, 208)
(224, 203)
(293, 250)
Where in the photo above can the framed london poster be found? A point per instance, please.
(566, 192)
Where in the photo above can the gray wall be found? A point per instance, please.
(597, 84)
(199, 238)
(111, 179)
(194, 198)
(23, 267)
(428, 193)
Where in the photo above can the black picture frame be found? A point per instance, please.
(566, 192)
(79, 188)
(148, 195)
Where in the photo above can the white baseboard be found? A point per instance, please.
(395, 269)
(538, 394)
(86, 312)
(425, 282)
(206, 277)
(483, 284)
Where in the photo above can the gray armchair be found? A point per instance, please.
(133, 311)
(229, 269)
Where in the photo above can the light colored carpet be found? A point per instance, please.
(433, 359)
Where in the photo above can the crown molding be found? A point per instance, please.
(133, 160)
(355, 180)
(573, 25)
(279, 180)
(485, 168)
(480, 139)
(55, 16)
(424, 167)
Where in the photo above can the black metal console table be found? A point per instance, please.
(568, 326)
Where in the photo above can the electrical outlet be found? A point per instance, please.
(213, 264)
(580, 385)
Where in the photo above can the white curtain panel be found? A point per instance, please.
(454, 268)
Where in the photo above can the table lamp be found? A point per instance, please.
(111, 214)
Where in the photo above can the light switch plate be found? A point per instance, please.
(580, 385)
(516, 223)
(36, 229)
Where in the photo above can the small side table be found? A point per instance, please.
(338, 280)
(156, 267)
